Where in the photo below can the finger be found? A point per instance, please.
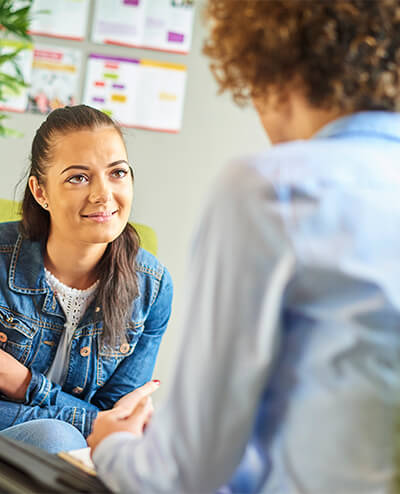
(148, 419)
(112, 415)
(149, 408)
(151, 405)
(144, 391)
(119, 413)
(148, 388)
(141, 411)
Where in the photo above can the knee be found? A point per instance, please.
(48, 434)
(56, 435)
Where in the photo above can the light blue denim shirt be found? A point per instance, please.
(290, 361)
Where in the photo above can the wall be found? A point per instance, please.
(173, 172)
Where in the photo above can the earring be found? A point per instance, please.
(45, 205)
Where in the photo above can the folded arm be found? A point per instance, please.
(35, 396)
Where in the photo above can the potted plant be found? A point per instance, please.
(14, 25)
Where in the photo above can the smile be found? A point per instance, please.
(100, 216)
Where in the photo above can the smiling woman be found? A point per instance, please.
(82, 307)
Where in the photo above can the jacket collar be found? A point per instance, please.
(26, 273)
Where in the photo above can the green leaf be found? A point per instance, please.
(9, 56)
(7, 132)
(15, 25)
(11, 81)
(15, 21)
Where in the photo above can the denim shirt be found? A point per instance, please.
(290, 356)
(32, 321)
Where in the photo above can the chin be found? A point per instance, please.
(100, 239)
(103, 235)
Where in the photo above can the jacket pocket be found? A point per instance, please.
(16, 335)
(110, 358)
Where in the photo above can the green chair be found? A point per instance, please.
(9, 211)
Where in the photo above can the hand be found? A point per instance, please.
(115, 420)
(14, 377)
(130, 400)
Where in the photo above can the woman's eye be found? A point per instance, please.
(119, 173)
(77, 179)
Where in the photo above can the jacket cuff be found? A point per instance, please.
(38, 389)
(82, 419)
(89, 417)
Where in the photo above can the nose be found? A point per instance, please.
(100, 191)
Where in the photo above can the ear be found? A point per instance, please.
(38, 192)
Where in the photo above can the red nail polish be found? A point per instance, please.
(157, 381)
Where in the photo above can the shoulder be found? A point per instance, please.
(8, 235)
(154, 283)
(152, 272)
(299, 164)
(253, 196)
(278, 176)
(149, 265)
(279, 164)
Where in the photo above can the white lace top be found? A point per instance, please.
(74, 303)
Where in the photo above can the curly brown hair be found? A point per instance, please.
(344, 54)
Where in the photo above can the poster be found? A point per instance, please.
(13, 101)
(164, 25)
(60, 18)
(55, 78)
(137, 93)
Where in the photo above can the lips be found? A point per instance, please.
(100, 214)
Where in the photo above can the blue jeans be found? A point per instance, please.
(49, 434)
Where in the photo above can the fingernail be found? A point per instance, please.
(157, 381)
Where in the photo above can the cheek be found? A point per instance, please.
(63, 218)
(64, 206)
(125, 196)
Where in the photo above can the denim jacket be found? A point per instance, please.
(31, 323)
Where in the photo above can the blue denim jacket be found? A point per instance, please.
(31, 323)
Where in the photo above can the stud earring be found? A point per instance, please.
(45, 205)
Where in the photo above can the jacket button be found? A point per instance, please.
(85, 351)
(9, 319)
(124, 348)
(77, 390)
(3, 337)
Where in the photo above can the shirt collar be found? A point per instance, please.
(370, 123)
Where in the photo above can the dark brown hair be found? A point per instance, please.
(118, 285)
(344, 54)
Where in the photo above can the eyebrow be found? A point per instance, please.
(83, 167)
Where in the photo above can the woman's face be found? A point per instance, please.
(88, 186)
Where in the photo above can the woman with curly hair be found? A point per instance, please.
(289, 375)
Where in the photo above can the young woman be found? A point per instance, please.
(82, 307)
(289, 371)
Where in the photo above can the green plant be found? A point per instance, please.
(14, 37)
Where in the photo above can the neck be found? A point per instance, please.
(293, 118)
(72, 263)
(308, 121)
